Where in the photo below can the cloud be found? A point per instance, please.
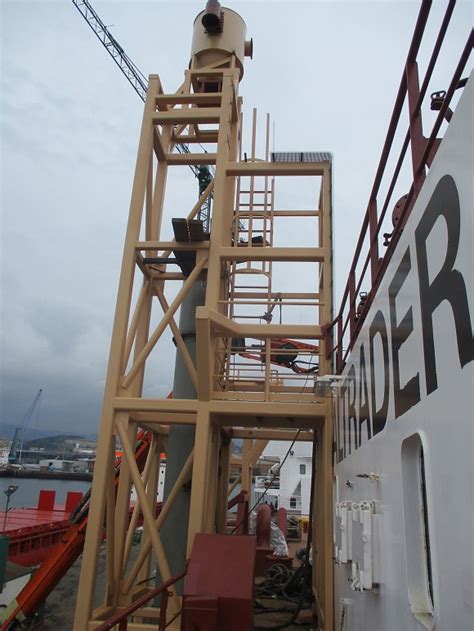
(69, 136)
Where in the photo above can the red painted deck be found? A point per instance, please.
(32, 531)
(25, 518)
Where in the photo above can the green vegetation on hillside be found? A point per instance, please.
(52, 442)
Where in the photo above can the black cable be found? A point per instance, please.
(276, 578)
(303, 571)
(303, 361)
(303, 574)
(268, 487)
(304, 371)
(292, 619)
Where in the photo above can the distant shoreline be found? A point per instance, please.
(12, 472)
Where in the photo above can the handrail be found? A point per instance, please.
(121, 617)
(349, 318)
(237, 499)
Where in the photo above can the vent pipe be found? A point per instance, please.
(212, 18)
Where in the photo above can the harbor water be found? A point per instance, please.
(26, 495)
(28, 490)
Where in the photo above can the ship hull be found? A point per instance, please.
(403, 518)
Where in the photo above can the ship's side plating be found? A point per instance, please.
(403, 418)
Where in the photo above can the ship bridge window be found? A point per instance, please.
(302, 469)
(417, 531)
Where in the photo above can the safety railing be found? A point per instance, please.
(268, 367)
(120, 619)
(340, 336)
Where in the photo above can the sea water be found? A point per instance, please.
(26, 495)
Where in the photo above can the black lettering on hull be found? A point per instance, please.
(379, 327)
(364, 416)
(356, 404)
(449, 283)
(408, 396)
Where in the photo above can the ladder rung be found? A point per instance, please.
(254, 204)
(253, 231)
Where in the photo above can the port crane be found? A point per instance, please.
(34, 407)
(139, 83)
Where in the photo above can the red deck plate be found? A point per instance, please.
(21, 518)
(222, 567)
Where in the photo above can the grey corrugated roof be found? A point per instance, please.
(301, 156)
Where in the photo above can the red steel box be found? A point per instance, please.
(218, 589)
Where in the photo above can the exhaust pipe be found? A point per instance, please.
(212, 19)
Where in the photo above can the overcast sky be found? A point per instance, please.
(327, 72)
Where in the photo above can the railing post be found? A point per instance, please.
(352, 306)
(374, 241)
(417, 140)
(328, 340)
(163, 609)
(339, 344)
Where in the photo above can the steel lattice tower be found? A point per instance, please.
(259, 400)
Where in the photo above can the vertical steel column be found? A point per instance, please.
(106, 441)
(181, 438)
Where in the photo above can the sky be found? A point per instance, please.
(327, 72)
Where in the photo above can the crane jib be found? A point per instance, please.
(137, 80)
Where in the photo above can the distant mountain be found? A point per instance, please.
(52, 442)
(237, 446)
(92, 436)
(7, 430)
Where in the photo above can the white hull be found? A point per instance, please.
(399, 585)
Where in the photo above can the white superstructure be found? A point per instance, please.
(289, 480)
(4, 452)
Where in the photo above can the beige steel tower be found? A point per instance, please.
(248, 381)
